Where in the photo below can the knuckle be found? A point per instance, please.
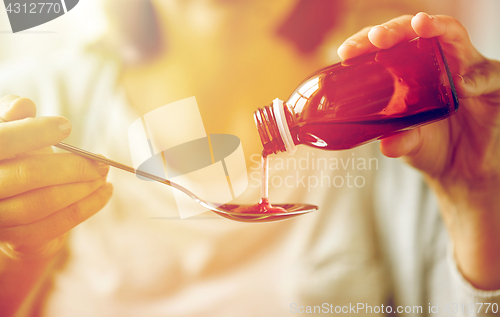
(4, 140)
(83, 209)
(462, 29)
(15, 237)
(28, 171)
(3, 211)
(453, 20)
(400, 22)
(7, 99)
(104, 194)
(74, 214)
(50, 198)
(81, 167)
(366, 29)
(103, 197)
(361, 33)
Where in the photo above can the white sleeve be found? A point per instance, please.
(471, 301)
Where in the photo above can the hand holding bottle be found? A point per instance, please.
(460, 155)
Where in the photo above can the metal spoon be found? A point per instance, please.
(293, 210)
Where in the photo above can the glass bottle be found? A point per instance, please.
(362, 99)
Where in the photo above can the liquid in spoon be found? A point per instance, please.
(264, 211)
(264, 206)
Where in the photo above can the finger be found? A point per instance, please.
(392, 32)
(446, 28)
(382, 36)
(58, 223)
(356, 45)
(45, 150)
(400, 144)
(451, 33)
(482, 79)
(30, 172)
(37, 204)
(13, 108)
(31, 134)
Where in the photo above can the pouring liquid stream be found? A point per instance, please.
(264, 206)
(264, 211)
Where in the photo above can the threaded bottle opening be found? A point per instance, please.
(267, 127)
(273, 129)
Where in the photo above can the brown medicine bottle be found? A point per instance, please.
(362, 99)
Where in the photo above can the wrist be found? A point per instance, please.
(472, 217)
(21, 272)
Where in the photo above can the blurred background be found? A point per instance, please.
(88, 23)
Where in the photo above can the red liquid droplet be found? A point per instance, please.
(262, 207)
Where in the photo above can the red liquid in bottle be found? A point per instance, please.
(363, 99)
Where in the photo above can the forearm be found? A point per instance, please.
(18, 277)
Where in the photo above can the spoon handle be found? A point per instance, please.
(129, 169)
(109, 162)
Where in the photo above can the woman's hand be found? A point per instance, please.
(43, 195)
(460, 156)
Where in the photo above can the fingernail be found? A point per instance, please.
(7, 101)
(64, 126)
(429, 16)
(13, 101)
(349, 43)
(385, 27)
(102, 168)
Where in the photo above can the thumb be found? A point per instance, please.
(13, 108)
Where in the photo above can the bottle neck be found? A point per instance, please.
(274, 128)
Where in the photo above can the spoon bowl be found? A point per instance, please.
(292, 210)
